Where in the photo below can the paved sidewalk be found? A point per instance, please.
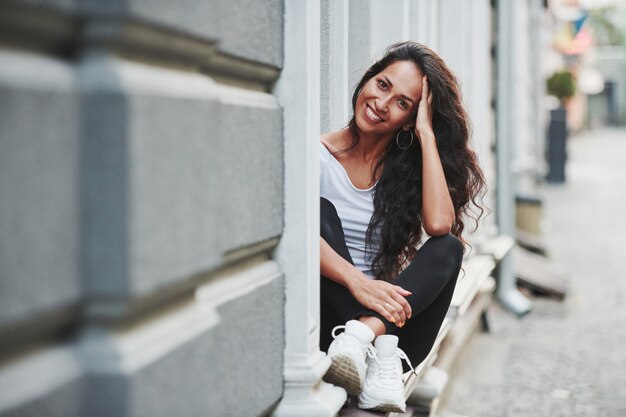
(564, 358)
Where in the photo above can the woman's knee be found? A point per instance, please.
(330, 224)
(447, 248)
(327, 208)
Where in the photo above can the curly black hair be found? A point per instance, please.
(396, 223)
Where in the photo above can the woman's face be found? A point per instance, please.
(389, 100)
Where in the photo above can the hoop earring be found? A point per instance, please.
(398, 142)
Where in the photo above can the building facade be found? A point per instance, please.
(159, 193)
(142, 166)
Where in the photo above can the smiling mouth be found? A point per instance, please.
(372, 115)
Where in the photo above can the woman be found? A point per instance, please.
(400, 170)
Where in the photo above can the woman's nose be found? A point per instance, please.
(381, 104)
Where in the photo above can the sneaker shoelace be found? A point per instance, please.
(369, 350)
(340, 327)
(387, 367)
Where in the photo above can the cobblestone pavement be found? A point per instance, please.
(564, 358)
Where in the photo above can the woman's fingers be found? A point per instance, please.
(389, 301)
(396, 311)
(392, 303)
(402, 291)
(404, 306)
(399, 304)
(385, 313)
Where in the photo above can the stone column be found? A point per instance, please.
(336, 91)
(505, 131)
(298, 90)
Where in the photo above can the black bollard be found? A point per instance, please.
(557, 146)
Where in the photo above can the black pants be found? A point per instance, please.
(431, 278)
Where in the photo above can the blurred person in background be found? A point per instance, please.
(402, 169)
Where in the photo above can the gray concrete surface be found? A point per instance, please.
(177, 172)
(39, 141)
(142, 166)
(564, 358)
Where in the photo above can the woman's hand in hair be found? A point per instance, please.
(386, 299)
(424, 121)
(438, 213)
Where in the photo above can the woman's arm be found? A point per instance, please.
(437, 209)
(385, 298)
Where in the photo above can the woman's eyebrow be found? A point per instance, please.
(407, 98)
(401, 95)
(388, 81)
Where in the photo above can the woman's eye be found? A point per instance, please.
(382, 84)
(403, 104)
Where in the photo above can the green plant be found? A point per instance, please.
(561, 84)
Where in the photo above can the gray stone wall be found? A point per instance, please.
(141, 198)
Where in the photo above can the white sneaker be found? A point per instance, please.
(348, 353)
(383, 389)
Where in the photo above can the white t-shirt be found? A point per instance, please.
(354, 206)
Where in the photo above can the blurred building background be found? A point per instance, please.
(159, 210)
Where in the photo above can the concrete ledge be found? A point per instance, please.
(246, 28)
(205, 343)
(244, 54)
(45, 26)
(465, 326)
(167, 363)
(66, 6)
(43, 383)
(475, 270)
(471, 298)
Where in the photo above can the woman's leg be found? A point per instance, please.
(431, 277)
(418, 335)
(337, 305)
